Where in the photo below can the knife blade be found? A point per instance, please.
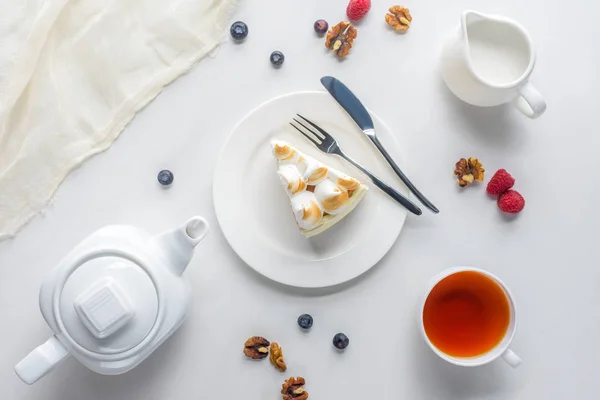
(360, 115)
(349, 102)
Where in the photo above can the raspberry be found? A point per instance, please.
(357, 9)
(511, 202)
(500, 182)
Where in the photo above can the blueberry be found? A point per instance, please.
(277, 58)
(305, 321)
(165, 177)
(239, 30)
(321, 26)
(341, 341)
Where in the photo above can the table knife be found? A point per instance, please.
(360, 115)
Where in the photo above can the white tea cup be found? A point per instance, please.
(501, 349)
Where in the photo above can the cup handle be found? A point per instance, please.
(530, 102)
(511, 358)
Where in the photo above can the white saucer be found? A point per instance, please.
(254, 212)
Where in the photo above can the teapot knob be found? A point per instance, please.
(104, 308)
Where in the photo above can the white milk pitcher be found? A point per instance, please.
(487, 62)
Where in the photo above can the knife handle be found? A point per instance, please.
(390, 191)
(399, 172)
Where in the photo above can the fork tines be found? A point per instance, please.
(317, 135)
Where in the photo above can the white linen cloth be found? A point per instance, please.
(72, 75)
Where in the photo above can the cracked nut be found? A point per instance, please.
(293, 389)
(276, 357)
(399, 18)
(340, 38)
(256, 347)
(467, 171)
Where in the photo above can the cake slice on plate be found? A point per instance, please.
(320, 196)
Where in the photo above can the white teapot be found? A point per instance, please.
(114, 299)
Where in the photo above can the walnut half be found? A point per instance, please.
(467, 171)
(340, 38)
(293, 389)
(276, 357)
(256, 347)
(399, 18)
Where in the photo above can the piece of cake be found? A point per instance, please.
(320, 196)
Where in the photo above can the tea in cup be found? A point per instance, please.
(468, 318)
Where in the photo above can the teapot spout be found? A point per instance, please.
(178, 245)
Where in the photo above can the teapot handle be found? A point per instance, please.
(41, 360)
(530, 102)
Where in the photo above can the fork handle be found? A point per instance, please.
(400, 174)
(390, 191)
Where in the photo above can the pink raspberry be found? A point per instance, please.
(511, 202)
(357, 9)
(500, 182)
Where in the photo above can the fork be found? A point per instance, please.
(327, 144)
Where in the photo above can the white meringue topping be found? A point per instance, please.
(291, 179)
(317, 193)
(284, 153)
(315, 172)
(306, 210)
(331, 197)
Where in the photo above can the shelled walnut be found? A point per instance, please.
(340, 38)
(276, 357)
(293, 389)
(256, 347)
(467, 171)
(399, 18)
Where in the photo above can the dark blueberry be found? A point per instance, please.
(165, 177)
(277, 58)
(321, 26)
(239, 30)
(341, 341)
(305, 321)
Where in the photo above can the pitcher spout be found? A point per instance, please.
(178, 244)
(469, 16)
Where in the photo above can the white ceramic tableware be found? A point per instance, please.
(114, 299)
(500, 350)
(254, 212)
(487, 61)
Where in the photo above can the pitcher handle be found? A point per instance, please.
(41, 360)
(530, 102)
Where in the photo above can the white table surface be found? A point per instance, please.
(548, 256)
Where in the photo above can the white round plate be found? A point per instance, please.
(254, 211)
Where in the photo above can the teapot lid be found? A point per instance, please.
(108, 304)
